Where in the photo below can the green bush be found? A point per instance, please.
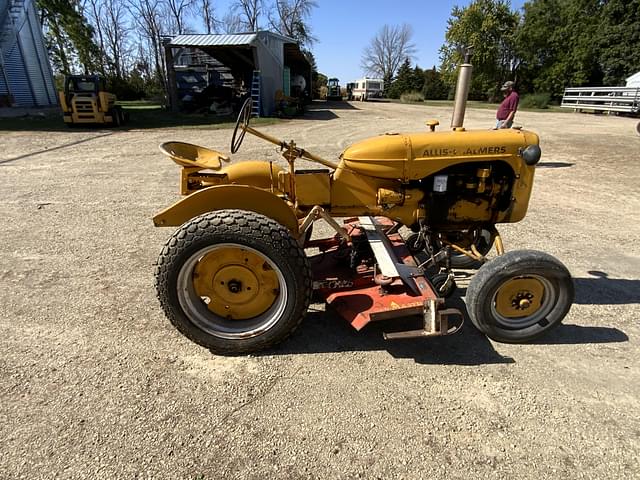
(411, 97)
(536, 100)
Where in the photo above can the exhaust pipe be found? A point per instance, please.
(462, 90)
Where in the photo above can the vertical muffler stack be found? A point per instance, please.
(462, 90)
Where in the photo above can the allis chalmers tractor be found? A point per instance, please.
(236, 277)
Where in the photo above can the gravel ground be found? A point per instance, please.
(95, 382)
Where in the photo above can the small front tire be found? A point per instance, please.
(442, 285)
(519, 296)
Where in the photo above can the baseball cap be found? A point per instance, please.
(508, 84)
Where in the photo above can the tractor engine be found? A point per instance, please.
(467, 194)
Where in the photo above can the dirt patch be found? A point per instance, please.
(95, 383)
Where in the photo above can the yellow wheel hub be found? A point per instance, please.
(238, 283)
(519, 297)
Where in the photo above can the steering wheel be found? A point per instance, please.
(243, 121)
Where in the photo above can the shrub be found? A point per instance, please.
(411, 97)
(536, 100)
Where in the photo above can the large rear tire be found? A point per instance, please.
(233, 281)
(519, 296)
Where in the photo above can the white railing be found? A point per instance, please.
(603, 99)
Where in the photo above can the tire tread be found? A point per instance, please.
(239, 224)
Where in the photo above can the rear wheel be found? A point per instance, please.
(115, 117)
(519, 296)
(233, 281)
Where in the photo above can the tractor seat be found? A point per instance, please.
(189, 155)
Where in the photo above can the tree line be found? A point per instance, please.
(122, 40)
(546, 47)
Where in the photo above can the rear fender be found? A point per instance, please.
(222, 197)
(255, 173)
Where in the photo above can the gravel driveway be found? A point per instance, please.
(95, 383)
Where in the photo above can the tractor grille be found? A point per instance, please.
(84, 106)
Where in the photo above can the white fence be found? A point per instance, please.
(603, 99)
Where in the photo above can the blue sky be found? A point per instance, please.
(344, 28)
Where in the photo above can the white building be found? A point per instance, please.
(634, 80)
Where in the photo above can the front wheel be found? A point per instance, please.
(233, 281)
(519, 296)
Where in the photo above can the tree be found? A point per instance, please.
(558, 45)
(434, 88)
(231, 23)
(403, 81)
(207, 10)
(416, 79)
(489, 26)
(318, 80)
(291, 19)
(249, 12)
(178, 11)
(619, 39)
(149, 18)
(111, 23)
(387, 50)
(69, 35)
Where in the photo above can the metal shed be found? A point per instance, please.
(264, 62)
(26, 79)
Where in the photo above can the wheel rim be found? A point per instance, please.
(231, 291)
(523, 301)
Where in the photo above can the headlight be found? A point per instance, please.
(531, 154)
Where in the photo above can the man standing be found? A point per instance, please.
(507, 109)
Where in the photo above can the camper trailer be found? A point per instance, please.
(366, 89)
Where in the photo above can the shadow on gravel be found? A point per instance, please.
(576, 334)
(327, 332)
(319, 110)
(333, 105)
(603, 290)
(53, 149)
(554, 165)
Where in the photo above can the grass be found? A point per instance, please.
(142, 115)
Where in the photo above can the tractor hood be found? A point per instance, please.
(411, 156)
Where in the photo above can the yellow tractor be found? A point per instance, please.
(238, 274)
(85, 100)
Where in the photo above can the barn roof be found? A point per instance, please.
(227, 40)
